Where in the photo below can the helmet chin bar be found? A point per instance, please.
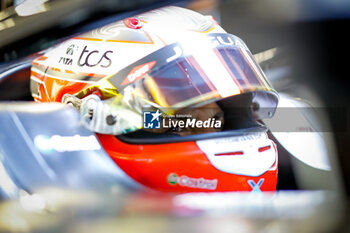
(110, 116)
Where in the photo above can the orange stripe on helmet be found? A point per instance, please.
(92, 75)
(87, 38)
(38, 64)
(69, 72)
(42, 58)
(35, 74)
(55, 69)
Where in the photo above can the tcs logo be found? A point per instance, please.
(92, 58)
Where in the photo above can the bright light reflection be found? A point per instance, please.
(8, 23)
(265, 55)
(32, 203)
(30, 7)
(202, 51)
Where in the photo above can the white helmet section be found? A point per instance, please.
(106, 50)
(249, 155)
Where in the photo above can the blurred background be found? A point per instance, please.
(302, 45)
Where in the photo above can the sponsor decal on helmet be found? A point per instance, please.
(60, 143)
(66, 61)
(138, 72)
(190, 182)
(69, 52)
(92, 58)
(256, 186)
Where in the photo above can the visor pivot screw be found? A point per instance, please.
(91, 113)
(111, 119)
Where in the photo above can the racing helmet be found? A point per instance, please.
(175, 100)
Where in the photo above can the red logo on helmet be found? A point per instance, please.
(138, 72)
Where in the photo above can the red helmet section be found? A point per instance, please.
(180, 167)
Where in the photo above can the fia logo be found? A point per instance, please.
(151, 120)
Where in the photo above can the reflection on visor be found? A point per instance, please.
(189, 80)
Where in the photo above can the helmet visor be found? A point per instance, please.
(182, 75)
